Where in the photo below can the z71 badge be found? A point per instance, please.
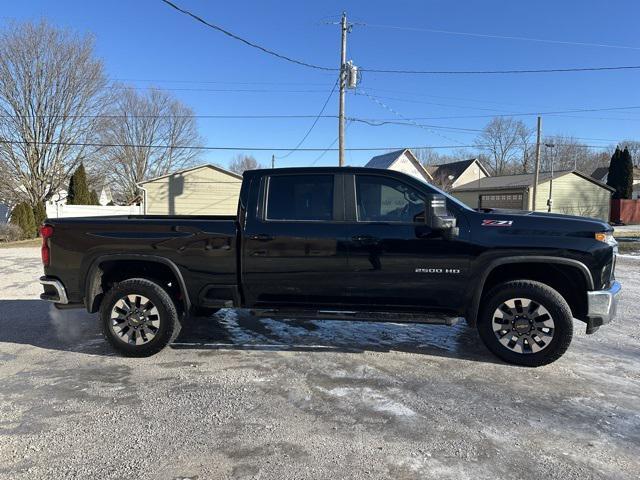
(497, 223)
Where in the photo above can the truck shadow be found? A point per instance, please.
(37, 323)
(239, 330)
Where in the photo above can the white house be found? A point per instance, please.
(401, 161)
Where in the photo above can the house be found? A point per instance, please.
(401, 161)
(456, 174)
(573, 193)
(201, 190)
(602, 173)
(105, 197)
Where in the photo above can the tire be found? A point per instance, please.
(523, 333)
(133, 328)
(203, 311)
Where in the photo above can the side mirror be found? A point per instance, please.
(437, 217)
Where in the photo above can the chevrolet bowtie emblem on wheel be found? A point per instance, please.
(497, 223)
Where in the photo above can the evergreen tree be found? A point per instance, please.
(614, 175)
(78, 193)
(22, 216)
(626, 174)
(93, 198)
(39, 214)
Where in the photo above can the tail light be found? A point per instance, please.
(46, 232)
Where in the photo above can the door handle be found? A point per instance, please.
(261, 237)
(364, 238)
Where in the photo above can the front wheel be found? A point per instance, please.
(525, 323)
(138, 317)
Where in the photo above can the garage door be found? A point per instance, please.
(509, 200)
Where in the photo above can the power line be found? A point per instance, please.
(245, 148)
(391, 71)
(226, 90)
(520, 114)
(171, 116)
(502, 37)
(245, 41)
(335, 140)
(379, 123)
(501, 72)
(398, 114)
(314, 122)
(294, 116)
(213, 82)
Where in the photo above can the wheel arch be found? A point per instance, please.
(511, 268)
(104, 264)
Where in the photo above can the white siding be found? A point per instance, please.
(203, 191)
(405, 165)
(474, 172)
(574, 195)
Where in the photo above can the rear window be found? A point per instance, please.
(300, 197)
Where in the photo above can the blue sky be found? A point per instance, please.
(147, 43)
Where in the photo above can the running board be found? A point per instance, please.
(397, 317)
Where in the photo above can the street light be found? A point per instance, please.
(550, 199)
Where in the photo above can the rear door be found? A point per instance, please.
(294, 251)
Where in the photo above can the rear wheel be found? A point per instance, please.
(526, 323)
(138, 317)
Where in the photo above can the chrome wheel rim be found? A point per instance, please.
(523, 325)
(135, 320)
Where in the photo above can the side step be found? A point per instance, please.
(394, 317)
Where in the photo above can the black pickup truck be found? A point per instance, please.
(345, 243)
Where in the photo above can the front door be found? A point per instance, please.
(395, 260)
(293, 250)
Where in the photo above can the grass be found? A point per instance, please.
(33, 242)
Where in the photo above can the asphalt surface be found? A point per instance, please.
(239, 397)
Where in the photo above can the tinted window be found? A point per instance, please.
(300, 197)
(381, 199)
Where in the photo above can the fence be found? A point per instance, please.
(626, 212)
(61, 211)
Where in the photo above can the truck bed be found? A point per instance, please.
(203, 248)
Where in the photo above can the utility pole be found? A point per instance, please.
(550, 199)
(537, 167)
(273, 161)
(343, 84)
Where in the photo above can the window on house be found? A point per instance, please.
(300, 197)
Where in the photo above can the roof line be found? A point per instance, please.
(185, 170)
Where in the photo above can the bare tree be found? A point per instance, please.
(51, 88)
(567, 153)
(147, 135)
(634, 149)
(243, 162)
(527, 149)
(502, 139)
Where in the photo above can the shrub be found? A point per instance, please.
(78, 193)
(22, 216)
(10, 232)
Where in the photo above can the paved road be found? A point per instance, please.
(238, 397)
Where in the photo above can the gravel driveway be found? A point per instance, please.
(240, 397)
